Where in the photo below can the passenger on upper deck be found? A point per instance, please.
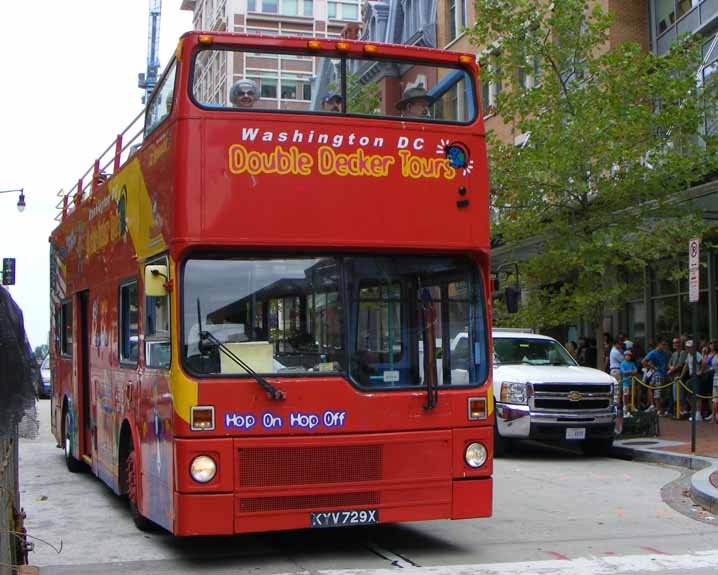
(415, 103)
(243, 94)
(332, 102)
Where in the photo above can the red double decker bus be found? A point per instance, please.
(273, 312)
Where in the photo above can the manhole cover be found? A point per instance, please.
(640, 443)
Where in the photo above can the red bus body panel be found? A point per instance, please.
(385, 188)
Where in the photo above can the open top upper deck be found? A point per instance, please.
(289, 143)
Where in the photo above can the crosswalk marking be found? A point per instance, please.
(609, 565)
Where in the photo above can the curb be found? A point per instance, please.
(702, 490)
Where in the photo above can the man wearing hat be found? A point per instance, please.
(332, 102)
(628, 371)
(414, 103)
(244, 93)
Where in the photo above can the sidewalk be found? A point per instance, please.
(673, 447)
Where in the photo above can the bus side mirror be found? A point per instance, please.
(511, 297)
(156, 280)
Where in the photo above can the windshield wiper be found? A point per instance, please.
(207, 341)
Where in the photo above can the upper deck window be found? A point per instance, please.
(161, 103)
(299, 81)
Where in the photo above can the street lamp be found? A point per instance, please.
(21, 200)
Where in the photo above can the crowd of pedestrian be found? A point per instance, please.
(662, 379)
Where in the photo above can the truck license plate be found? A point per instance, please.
(576, 433)
(344, 518)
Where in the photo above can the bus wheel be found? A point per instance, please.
(141, 522)
(72, 464)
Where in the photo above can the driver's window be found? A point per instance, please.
(157, 329)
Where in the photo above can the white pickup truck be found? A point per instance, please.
(541, 393)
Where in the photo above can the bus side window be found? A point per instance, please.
(161, 104)
(129, 316)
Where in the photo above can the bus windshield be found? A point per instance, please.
(375, 320)
(304, 82)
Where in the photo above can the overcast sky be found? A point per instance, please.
(69, 86)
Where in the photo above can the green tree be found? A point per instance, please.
(362, 98)
(614, 141)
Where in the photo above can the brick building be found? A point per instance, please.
(660, 307)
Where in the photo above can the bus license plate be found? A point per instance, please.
(344, 518)
(576, 433)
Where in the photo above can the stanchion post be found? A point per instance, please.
(693, 417)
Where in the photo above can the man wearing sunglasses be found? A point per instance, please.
(243, 94)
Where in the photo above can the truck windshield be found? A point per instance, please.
(530, 351)
(374, 320)
(302, 81)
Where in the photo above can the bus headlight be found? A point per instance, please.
(203, 469)
(475, 455)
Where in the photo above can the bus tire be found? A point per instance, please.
(132, 475)
(73, 465)
(597, 447)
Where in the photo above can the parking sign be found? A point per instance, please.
(694, 278)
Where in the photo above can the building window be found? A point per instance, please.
(268, 88)
(284, 7)
(456, 18)
(685, 6)
(289, 90)
(666, 12)
(665, 15)
(129, 332)
(346, 10)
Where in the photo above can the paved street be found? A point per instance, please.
(555, 512)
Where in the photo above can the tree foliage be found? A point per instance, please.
(615, 139)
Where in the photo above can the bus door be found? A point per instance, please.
(83, 373)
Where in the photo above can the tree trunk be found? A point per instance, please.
(600, 345)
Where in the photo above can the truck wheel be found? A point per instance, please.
(73, 465)
(140, 521)
(596, 447)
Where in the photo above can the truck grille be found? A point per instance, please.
(571, 397)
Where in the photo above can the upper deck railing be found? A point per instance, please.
(106, 164)
(347, 78)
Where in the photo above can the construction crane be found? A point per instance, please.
(148, 80)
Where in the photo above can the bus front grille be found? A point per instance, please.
(286, 466)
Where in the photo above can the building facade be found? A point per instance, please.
(660, 304)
